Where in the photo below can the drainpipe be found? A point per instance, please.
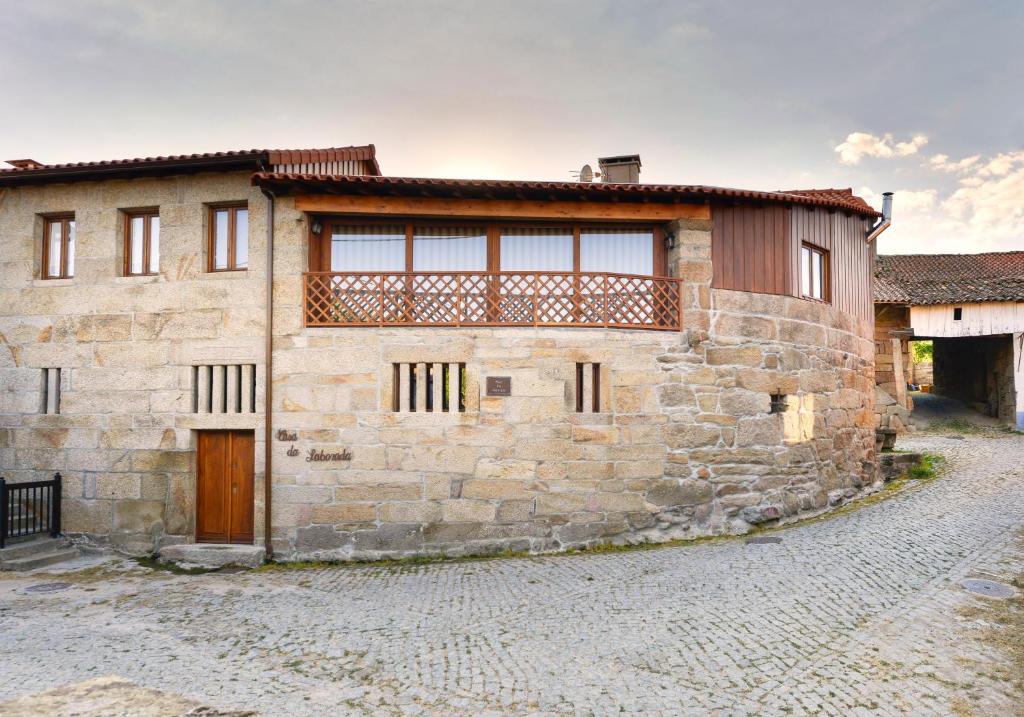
(268, 501)
(886, 220)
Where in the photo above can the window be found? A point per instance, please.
(619, 251)
(367, 248)
(958, 314)
(141, 243)
(542, 249)
(59, 247)
(50, 391)
(442, 247)
(449, 249)
(588, 388)
(813, 273)
(224, 389)
(229, 238)
(428, 387)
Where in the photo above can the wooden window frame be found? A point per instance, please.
(64, 220)
(147, 240)
(320, 245)
(211, 235)
(826, 273)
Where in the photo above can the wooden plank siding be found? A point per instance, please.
(851, 259)
(750, 249)
(757, 249)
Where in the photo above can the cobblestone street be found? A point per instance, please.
(851, 615)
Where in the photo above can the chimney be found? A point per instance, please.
(25, 163)
(623, 169)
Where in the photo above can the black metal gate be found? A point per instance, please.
(29, 508)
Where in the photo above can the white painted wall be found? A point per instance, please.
(982, 319)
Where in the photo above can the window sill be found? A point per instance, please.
(225, 274)
(817, 301)
(53, 282)
(137, 279)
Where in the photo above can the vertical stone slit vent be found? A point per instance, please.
(428, 387)
(224, 388)
(588, 388)
(50, 391)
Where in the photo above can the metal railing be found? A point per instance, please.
(499, 298)
(29, 508)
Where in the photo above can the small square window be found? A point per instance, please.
(814, 273)
(141, 243)
(228, 248)
(958, 314)
(59, 247)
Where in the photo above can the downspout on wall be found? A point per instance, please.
(268, 543)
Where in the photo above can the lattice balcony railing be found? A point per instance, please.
(621, 301)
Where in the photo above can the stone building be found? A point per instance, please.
(971, 306)
(445, 367)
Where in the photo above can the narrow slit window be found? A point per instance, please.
(958, 314)
(588, 388)
(50, 391)
(428, 387)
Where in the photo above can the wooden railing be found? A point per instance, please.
(623, 301)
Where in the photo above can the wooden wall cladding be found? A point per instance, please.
(751, 249)
(851, 259)
(757, 249)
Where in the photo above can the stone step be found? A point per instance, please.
(23, 548)
(39, 561)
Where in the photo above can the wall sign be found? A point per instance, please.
(499, 385)
(322, 456)
(283, 435)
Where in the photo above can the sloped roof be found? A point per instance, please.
(253, 159)
(285, 183)
(924, 279)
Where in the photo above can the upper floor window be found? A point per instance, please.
(441, 247)
(141, 243)
(813, 273)
(229, 238)
(59, 246)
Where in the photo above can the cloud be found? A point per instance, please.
(863, 144)
(985, 211)
(941, 162)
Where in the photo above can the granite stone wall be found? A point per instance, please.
(124, 439)
(685, 444)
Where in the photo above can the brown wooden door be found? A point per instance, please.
(224, 487)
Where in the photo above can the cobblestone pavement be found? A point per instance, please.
(850, 615)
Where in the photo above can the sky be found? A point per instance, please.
(925, 99)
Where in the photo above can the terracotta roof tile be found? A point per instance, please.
(923, 279)
(519, 189)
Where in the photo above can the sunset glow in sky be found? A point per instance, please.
(920, 98)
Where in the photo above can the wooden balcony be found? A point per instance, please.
(499, 298)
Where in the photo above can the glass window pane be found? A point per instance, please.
(220, 239)
(367, 248)
(154, 245)
(449, 249)
(241, 238)
(817, 280)
(619, 251)
(136, 230)
(71, 247)
(53, 249)
(805, 272)
(536, 249)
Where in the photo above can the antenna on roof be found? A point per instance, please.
(585, 174)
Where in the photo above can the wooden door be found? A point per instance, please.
(224, 487)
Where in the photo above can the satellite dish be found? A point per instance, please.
(586, 174)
